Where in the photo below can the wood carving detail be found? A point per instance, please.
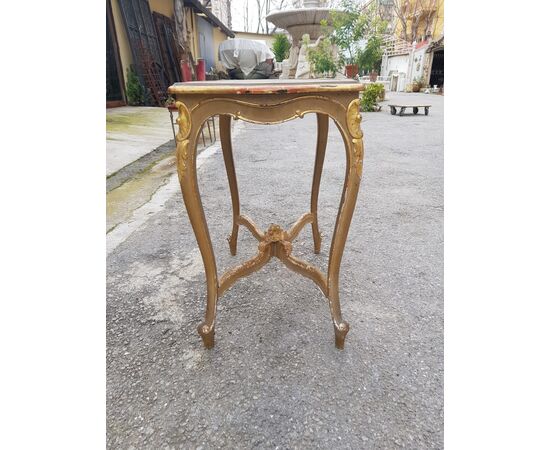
(182, 138)
(358, 156)
(281, 111)
(275, 242)
(353, 118)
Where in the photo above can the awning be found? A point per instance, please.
(199, 8)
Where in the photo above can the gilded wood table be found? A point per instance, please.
(269, 102)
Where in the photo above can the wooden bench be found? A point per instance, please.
(404, 107)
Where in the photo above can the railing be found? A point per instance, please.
(394, 46)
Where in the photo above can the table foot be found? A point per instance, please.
(340, 333)
(207, 334)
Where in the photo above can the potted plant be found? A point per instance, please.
(350, 25)
(373, 93)
(358, 33)
(417, 84)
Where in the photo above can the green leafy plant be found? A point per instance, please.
(134, 90)
(281, 47)
(322, 60)
(370, 96)
(358, 34)
(370, 57)
(350, 26)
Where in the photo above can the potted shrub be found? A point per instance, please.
(417, 84)
(281, 47)
(373, 93)
(350, 25)
(134, 90)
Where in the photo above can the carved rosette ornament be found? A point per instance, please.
(353, 118)
(182, 138)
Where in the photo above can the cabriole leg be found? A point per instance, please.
(186, 153)
(225, 138)
(322, 133)
(353, 139)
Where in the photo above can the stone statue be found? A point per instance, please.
(303, 70)
(289, 64)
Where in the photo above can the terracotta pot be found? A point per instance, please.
(352, 70)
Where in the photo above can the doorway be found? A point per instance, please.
(436, 74)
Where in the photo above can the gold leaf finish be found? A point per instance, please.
(358, 156)
(182, 139)
(184, 121)
(353, 117)
(340, 103)
(275, 242)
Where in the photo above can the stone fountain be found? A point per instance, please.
(301, 21)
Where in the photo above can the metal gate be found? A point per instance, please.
(167, 41)
(144, 44)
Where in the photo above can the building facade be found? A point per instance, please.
(414, 46)
(143, 36)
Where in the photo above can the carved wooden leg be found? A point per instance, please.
(426, 111)
(415, 110)
(353, 139)
(402, 111)
(225, 138)
(393, 110)
(322, 133)
(186, 153)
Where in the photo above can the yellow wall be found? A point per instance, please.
(122, 38)
(165, 7)
(193, 34)
(437, 27)
(219, 37)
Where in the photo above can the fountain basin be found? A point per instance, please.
(301, 21)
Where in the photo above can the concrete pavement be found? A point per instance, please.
(274, 379)
(132, 132)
